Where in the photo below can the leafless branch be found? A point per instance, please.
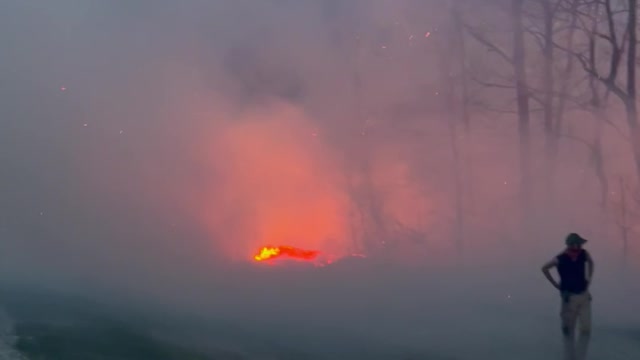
(578, 139)
(609, 81)
(493, 85)
(492, 47)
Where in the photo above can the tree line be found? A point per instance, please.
(557, 58)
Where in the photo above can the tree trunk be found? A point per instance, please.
(630, 104)
(598, 158)
(370, 207)
(460, 57)
(458, 189)
(598, 106)
(452, 114)
(558, 114)
(624, 229)
(522, 96)
(565, 76)
(547, 105)
(465, 117)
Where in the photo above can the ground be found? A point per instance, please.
(40, 325)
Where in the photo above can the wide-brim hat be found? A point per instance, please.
(575, 239)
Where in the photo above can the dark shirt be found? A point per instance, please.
(572, 271)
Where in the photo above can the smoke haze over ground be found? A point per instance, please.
(149, 148)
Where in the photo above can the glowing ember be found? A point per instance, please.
(273, 252)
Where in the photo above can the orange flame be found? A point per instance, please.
(273, 252)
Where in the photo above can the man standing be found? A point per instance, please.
(575, 268)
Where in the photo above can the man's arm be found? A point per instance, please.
(547, 273)
(590, 267)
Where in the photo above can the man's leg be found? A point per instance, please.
(584, 317)
(568, 316)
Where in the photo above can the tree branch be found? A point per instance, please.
(488, 44)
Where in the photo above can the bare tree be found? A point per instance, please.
(517, 62)
(618, 45)
(522, 99)
(459, 53)
(455, 111)
(597, 104)
(597, 99)
(551, 22)
(624, 217)
(631, 98)
(564, 79)
(548, 11)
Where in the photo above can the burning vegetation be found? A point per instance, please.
(275, 252)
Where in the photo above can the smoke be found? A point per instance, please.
(278, 184)
(164, 134)
(150, 148)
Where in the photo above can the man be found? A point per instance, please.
(575, 268)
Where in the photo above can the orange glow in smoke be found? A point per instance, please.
(270, 253)
(276, 187)
(278, 195)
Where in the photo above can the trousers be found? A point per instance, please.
(575, 314)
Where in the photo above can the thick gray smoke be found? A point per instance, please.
(148, 149)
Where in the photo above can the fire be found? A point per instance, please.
(273, 252)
